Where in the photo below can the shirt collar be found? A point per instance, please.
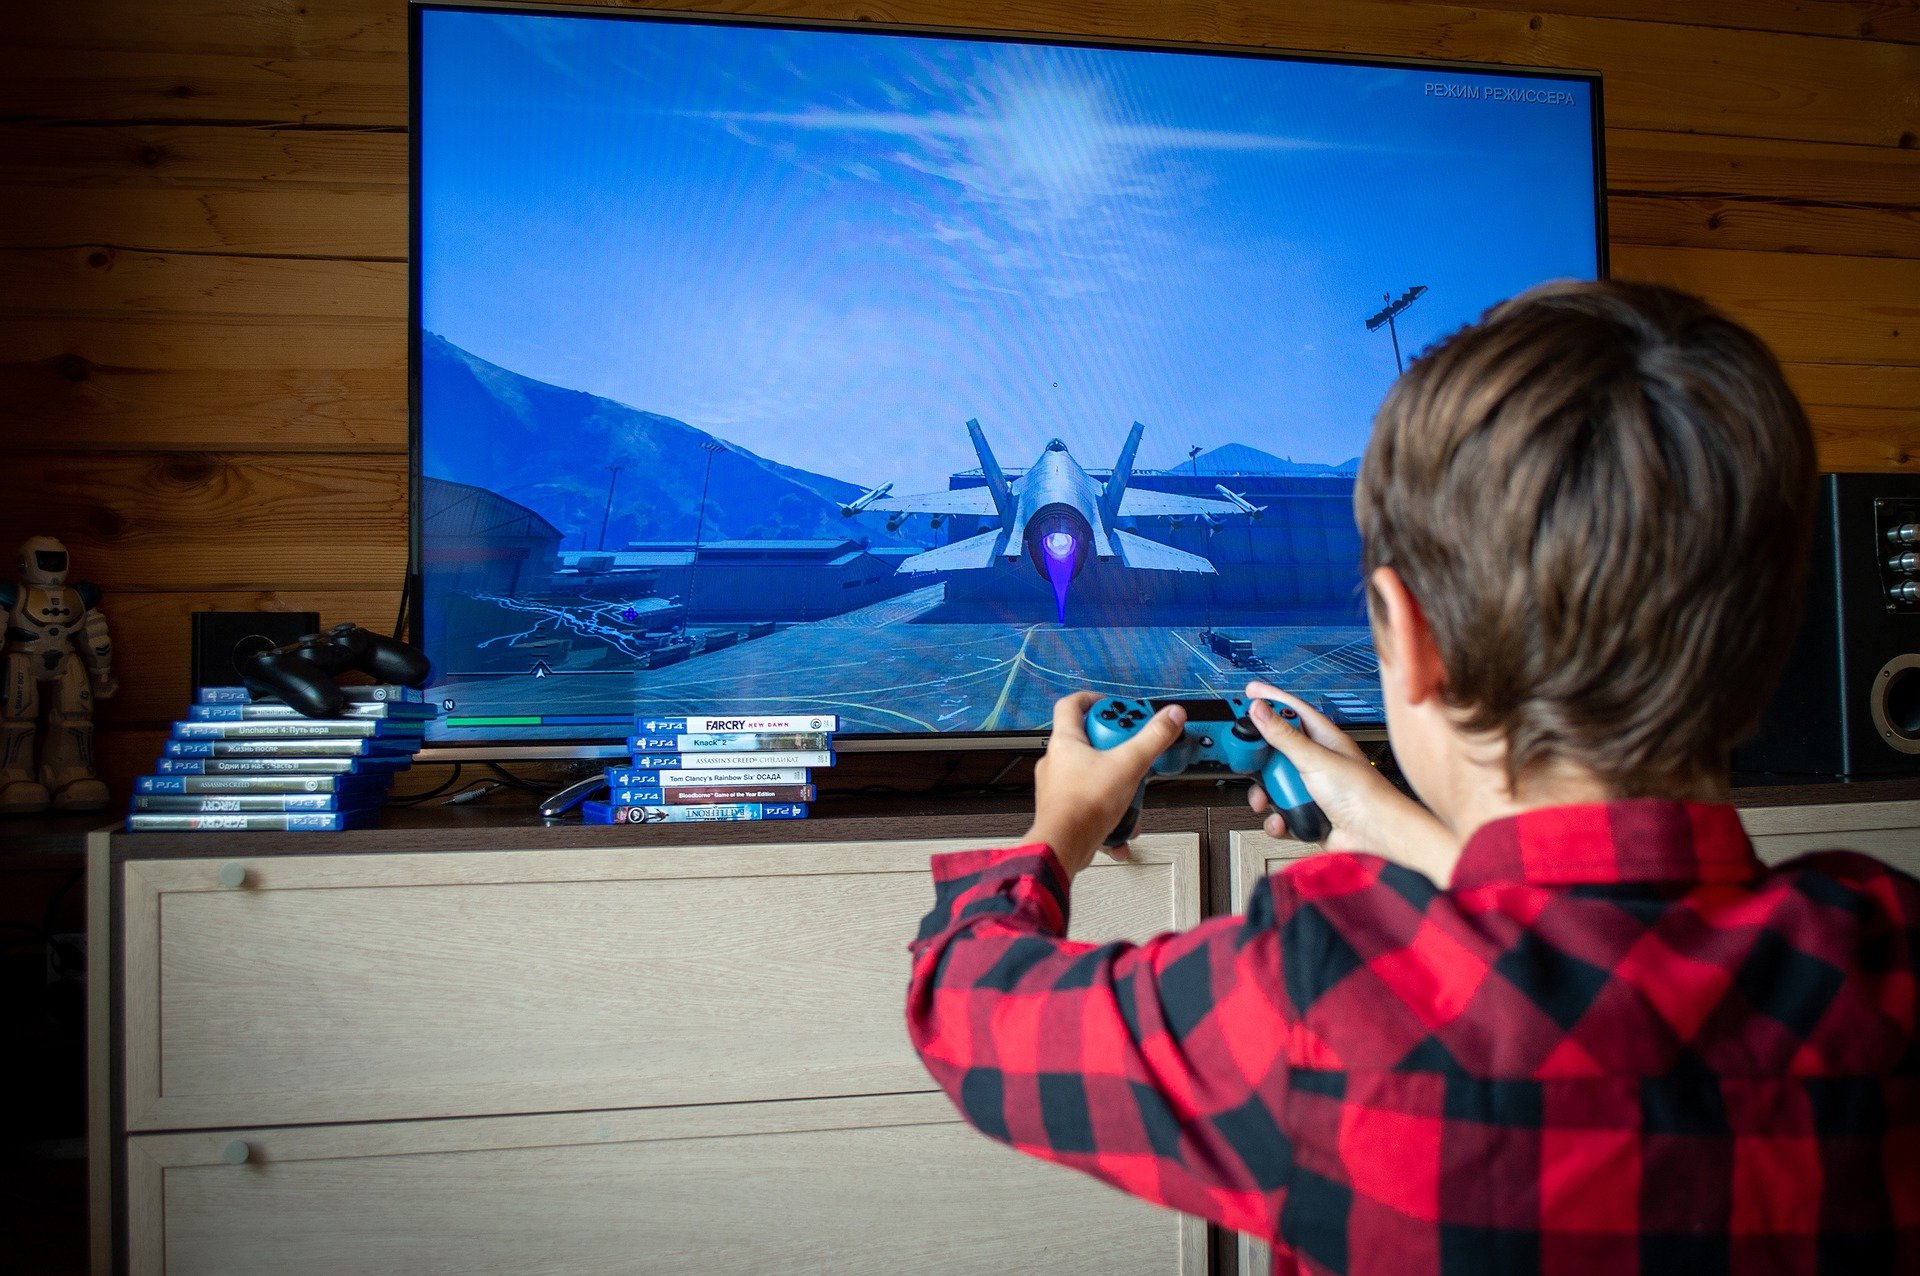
(1632, 840)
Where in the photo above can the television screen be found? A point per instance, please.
(920, 380)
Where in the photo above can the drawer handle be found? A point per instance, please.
(233, 875)
(236, 1152)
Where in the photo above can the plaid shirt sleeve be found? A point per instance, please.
(1617, 1043)
(1139, 1064)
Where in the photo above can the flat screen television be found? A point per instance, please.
(917, 377)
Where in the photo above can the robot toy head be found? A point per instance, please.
(43, 562)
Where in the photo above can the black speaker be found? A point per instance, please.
(221, 638)
(1849, 702)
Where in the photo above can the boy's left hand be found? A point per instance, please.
(1081, 792)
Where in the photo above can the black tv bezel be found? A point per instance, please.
(540, 748)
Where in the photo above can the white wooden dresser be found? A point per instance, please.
(498, 1047)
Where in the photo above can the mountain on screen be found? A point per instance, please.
(551, 449)
(1238, 458)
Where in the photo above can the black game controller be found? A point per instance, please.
(302, 672)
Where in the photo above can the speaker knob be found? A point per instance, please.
(1906, 564)
(1906, 591)
(1904, 534)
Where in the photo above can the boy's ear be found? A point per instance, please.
(1404, 640)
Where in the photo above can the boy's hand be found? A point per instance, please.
(1368, 814)
(1080, 792)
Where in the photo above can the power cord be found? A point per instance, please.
(417, 799)
(509, 780)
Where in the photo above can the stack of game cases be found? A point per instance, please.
(717, 767)
(241, 761)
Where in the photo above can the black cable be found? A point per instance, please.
(53, 904)
(416, 799)
(943, 787)
(1001, 774)
(513, 781)
(953, 765)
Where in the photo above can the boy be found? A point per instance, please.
(1559, 1019)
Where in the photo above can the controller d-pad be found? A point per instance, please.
(1108, 715)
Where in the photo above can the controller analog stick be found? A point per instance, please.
(1241, 750)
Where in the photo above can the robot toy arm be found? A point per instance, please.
(96, 647)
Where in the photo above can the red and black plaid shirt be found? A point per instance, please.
(1616, 1044)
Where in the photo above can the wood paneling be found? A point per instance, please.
(1862, 19)
(338, 193)
(205, 231)
(186, 341)
(210, 156)
(1810, 309)
(213, 521)
(1764, 225)
(1664, 75)
(1652, 163)
(1866, 439)
(63, 86)
(293, 221)
(1875, 385)
(278, 28)
(124, 281)
(104, 408)
(122, 754)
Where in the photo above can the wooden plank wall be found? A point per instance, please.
(203, 239)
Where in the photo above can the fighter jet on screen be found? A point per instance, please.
(866, 498)
(1057, 516)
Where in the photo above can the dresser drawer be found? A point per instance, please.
(842, 1186)
(1888, 831)
(368, 987)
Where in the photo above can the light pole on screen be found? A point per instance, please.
(1386, 314)
(712, 449)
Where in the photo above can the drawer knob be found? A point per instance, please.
(236, 1152)
(233, 875)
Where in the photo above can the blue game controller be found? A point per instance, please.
(1235, 746)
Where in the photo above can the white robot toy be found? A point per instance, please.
(47, 620)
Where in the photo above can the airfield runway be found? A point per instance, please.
(882, 670)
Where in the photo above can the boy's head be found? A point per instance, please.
(1598, 497)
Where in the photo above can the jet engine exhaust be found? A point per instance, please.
(1059, 551)
(1057, 541)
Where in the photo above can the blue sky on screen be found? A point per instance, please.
(835, 248)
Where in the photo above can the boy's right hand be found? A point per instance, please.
(1367, 813)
